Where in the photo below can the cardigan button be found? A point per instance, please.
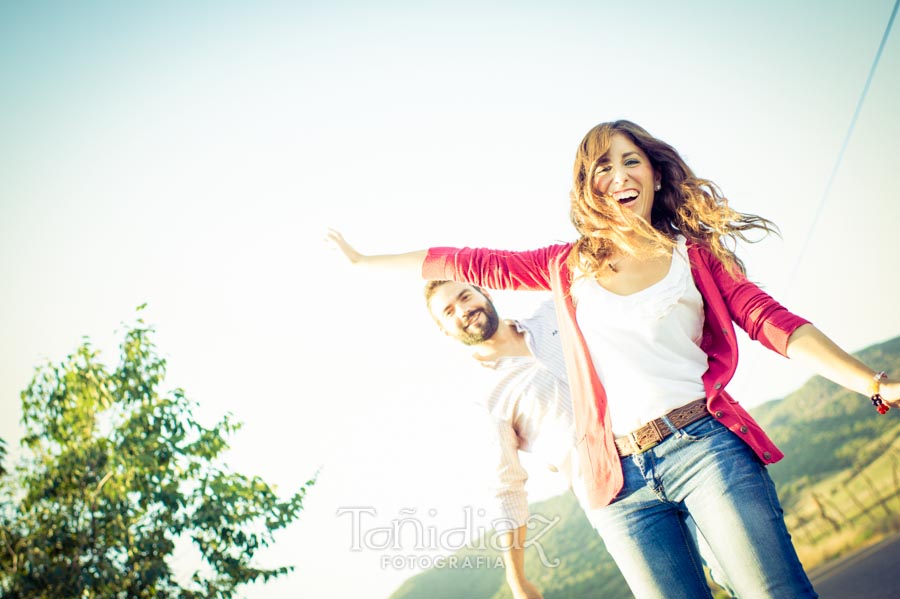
(717, 386)
(725, 331)
(719, 413)
(767, 456)
(743, 429)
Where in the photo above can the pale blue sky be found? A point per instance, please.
(191, 155)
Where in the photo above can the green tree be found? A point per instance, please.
(117, 474)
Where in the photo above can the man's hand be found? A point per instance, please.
(525, 590)
(513, 542)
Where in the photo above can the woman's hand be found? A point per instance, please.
(410, 262)
(337, 241)
(890, 392)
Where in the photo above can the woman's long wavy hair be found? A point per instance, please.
(684, 204)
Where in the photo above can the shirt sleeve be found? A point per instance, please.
(507, 476)
(493, 269)
(754, 310)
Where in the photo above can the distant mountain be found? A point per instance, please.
(823, 430)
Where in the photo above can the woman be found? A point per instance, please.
(646, 299)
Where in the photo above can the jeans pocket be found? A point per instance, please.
(702, 429)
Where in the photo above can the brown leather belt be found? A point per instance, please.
(653, 432)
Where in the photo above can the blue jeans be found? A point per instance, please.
(706, 472)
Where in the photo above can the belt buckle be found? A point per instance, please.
(653, 439)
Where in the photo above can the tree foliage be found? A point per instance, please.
(116, 475)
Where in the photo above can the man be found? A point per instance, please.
(529, 407)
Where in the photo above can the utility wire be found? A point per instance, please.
(840, 156)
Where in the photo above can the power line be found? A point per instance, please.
(840, 156)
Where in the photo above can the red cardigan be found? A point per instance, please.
(726, 298)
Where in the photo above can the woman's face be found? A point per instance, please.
(626, 176)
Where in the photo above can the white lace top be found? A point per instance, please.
(645, 346)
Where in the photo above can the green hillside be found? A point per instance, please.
(825, 430)
(585, 569)
(841, 461)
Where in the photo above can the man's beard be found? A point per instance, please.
(477, 333)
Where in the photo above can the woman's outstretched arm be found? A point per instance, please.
(410, 261)
(811, 347)
(492, 269)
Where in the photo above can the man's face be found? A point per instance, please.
(464, 313)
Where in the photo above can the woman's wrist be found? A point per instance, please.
(877, 393)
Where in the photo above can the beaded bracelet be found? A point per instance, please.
(875, 388)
